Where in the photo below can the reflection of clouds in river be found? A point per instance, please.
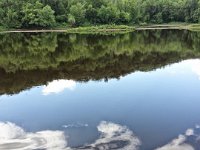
(112, 136)
(196, 67)
(58, 86)
(188, 141)
(186, 66)
(76, 125)
(193, 64)
(177, 144)
(13, 137)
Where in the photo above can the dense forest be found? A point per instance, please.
(51, 13)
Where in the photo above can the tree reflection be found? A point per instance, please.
(31, 59)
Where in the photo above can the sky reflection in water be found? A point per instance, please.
(112, 136)
(153, 110)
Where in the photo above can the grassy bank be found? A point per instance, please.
(104, 29)
(109, 29)
(194, 27)
(170, 26)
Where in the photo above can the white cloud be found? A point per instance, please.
(76, 125)
(189, 132)
(13, 137)
(180, 143)
(196, 67)
(177, 144)
(58, 86)
(10, 131)
(197, 126)
(191, 65)
(112, 137)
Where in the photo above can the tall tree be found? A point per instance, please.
(38, 15)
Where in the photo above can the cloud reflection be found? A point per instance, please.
(177, 144)
(112, 136)
(196, 67)
(58, 86)
(187, 141)
(13, 137)
(186, 66)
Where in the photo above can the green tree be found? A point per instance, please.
(91, 14)
(71, 20)
(190, 11)
(10, 13)
(125, 17)
(47, 13)
(77, 14)
(60, 7)
(38, 15)
(108, 15)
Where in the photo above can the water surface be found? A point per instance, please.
(129, 91)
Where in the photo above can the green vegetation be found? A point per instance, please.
(37, 15)
(103, 29)
(194, 27)
(31, 59)
(54, 13)
(2, 28)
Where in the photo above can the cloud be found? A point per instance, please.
(13, 137)
(177, 144)
(191, 65)
(189, 132)
(77, 125)
(58, 86)
(197, 126)
(114, 136)
(196, 67)
(187, 141)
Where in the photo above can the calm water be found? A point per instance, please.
(134, 91)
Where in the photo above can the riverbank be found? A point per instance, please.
(107, 29)
(180, 26)
(91, 30)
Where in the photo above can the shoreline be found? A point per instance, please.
(64, 31)
(191, 27)
(108, 29)
(82, 30)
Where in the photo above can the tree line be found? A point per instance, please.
(51, 13)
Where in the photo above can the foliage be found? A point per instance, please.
(46, 13)
(108, 15)
(37, 15)
(77, 14)
(10, 13)
(103, 29)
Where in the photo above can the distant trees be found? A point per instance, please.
(47, 13)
